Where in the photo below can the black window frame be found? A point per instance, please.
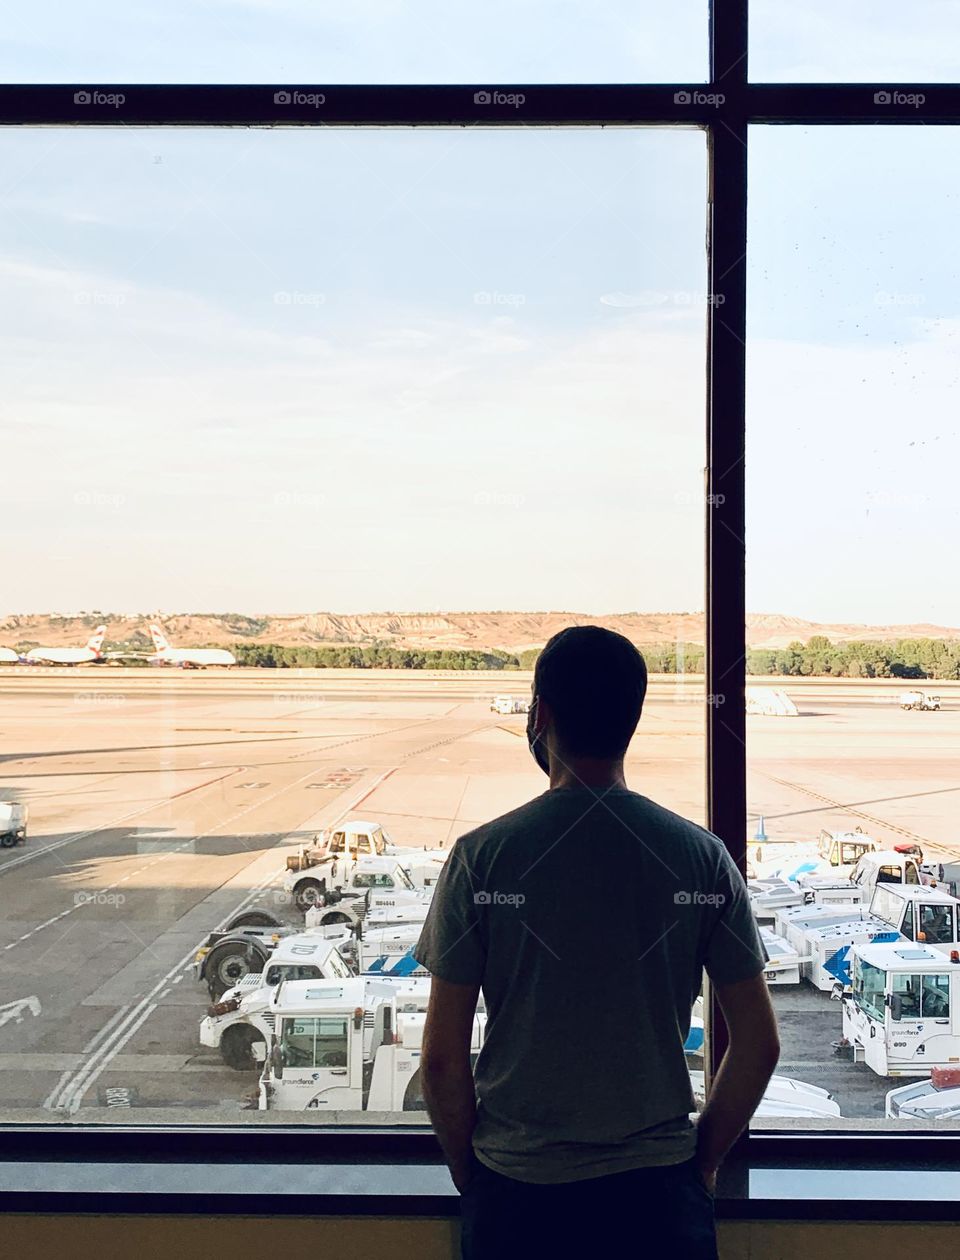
(725, 121)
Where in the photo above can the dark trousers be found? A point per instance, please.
(657, 1212)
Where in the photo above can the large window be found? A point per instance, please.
(314, 433)
(277, 384)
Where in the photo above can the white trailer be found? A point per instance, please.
(936, 1097)
(901, 1015)
(784, 964)
(345, 1047)
(784, 1096)
(770, 702)
(13, 823)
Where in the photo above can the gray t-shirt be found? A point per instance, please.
(587, 917)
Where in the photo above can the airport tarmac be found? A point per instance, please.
(162, 801)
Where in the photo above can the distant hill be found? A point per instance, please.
(482, 631)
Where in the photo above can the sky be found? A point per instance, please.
(288, 370)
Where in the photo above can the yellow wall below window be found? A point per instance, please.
(207, 1238)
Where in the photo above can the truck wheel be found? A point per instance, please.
(253, 918)
(236, 1047)
(307, 893)
(227, 964)
(8, 839)
(335, 916)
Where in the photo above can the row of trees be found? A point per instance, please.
(897, 658)
(894, 658)
(373, 656)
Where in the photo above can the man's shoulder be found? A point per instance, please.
(529, 818)
(518, 821)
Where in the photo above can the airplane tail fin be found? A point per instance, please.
(159, 639)
(95, 642)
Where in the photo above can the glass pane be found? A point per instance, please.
(355, 407)
(366, 41)
(859, 41)
(852, 522)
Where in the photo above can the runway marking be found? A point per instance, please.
(69, 1095)
(34, 854)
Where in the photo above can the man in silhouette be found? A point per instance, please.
(588, 916)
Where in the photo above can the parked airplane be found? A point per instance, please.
(187, 658)
(69, 655)
(8, 656)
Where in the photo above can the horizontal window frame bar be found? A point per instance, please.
(304, 1155)
(661, 105)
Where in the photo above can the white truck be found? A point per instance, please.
(240, 1024)
(352, 1046)
(13, 823)
(887, 866)
(919, 700)
(505, 705)
(901, 1014)
(824, 935)
(338, 889)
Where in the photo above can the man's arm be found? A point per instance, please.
(752, 1053)
(446, 1073)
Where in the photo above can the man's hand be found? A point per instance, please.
(447, 1075)
(752, 1052)
(461, 1175)
(709, 1177)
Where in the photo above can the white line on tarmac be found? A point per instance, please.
(69, 1096)
(97, 1036)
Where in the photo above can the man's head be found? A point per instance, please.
(588, 690)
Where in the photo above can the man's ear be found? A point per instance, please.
(541, 717)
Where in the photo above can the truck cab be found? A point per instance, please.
(345, 883)
(349, 1046)
(902, 1013)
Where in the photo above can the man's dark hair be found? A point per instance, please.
(594, 681)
